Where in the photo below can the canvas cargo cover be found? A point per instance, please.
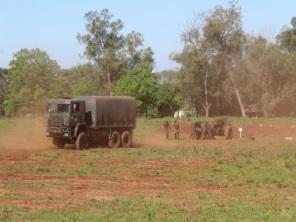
(111, 111)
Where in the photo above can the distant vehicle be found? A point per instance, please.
(88, 120)
(184, 113)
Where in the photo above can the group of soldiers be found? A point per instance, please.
(202, 129)
(208, 130)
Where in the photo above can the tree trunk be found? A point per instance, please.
(239, 100)
(206, 109)
(196, 106)
(109, 83)
(241, 106)
(206, 105)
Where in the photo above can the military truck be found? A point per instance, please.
(88, 120)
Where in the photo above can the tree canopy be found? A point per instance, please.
(154, 99)
(224, 71)
(287, 38)
(30, 80)
(113, 52)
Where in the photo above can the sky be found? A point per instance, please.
(52, 25)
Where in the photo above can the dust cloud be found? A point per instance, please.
(25, 134)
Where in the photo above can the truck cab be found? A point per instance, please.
(66, 119)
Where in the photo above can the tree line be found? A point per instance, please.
(222, 69)
(225, 71)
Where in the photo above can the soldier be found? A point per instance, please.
(223, 127)
(228, 132)
(166, 127)
(219, 126)
(176, 128)
(196, 130)
(210, 131)
(192, 132)
(207, 131)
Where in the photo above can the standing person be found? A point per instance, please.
(166, 127)
(176, 128)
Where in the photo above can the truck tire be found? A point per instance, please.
(81, 141)
(114, 141)
(126, 139)
(58, 143)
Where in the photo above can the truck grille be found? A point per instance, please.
(55, 122)
(59, 130)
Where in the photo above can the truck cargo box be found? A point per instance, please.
(111, 111)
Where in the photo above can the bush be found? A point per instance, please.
(154, 99)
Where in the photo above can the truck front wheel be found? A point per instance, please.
(81, 141)
(114, 140)
(126, 139)
(58, 142)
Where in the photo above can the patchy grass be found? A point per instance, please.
(6, 124)
(137, 210)
(200, 181)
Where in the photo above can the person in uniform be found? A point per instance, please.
(196, 130)
(166, 127)
(176, 128)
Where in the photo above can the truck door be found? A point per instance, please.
(78, 111)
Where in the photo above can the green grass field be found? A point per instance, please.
(181, 181)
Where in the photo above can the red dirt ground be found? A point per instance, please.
(80, 189)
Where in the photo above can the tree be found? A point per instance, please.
(287, 37)
(153, 99)
(86, 80)
(166, 100)
(113, 52)
(194, 73)
(61, 86)
(134, 53)
(3, 87)
(212, 48)
(224, 38)
(269, 71)
(140, 83)
(192, 77)
(230, 72)
(30, 80)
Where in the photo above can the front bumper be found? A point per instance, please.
(63, 132)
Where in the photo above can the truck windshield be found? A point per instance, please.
(59, 108)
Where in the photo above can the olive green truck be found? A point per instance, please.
(89, 120)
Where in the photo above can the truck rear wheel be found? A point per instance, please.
(114, 141)
(81, 141)
(126, 139)
(58, 142)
